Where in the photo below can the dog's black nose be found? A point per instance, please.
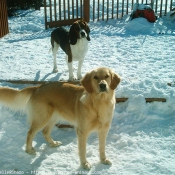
(103, 87)
(82, 33)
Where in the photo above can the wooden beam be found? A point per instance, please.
(37, 82)
(148, 100)
(118, 100)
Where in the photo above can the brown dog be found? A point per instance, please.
(88, 107)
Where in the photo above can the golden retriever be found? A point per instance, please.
(88, 107)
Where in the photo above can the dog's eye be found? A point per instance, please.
(106, 76)
(96, 77)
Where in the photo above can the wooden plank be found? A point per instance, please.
(64, 126)
(37, 82)
(61, 23)
(148, 100)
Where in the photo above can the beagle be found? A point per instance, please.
(74, 43)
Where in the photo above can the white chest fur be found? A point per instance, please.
(80, 49)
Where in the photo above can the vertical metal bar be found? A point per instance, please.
(161, 8)
(64, 9)
(50, 6)
(93, 10)
(122, 7)
(171, 4)
(60, 10)
(117, 7)
(45, 14)
(107, 10)
(132, 4)
(112, 9)
(81, 8)
(68, 8)
(77, 8)
(98, 10)
(156, 7)
(165, 7)
(127, 6)
(103, 11)
(152, 4)
(55, 11)
(73, 9)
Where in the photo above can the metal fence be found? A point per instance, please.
(3, 18)
(110, 9)
(64, 12)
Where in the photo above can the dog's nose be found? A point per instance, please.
(102, 87)
(82, 33)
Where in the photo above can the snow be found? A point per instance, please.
(141, 139)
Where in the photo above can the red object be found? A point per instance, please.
(147, 13)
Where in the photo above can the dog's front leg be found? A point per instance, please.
(80, 63)
(70, 68)
(82, 138)
(102, 134)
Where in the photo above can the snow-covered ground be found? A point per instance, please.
(142, 136)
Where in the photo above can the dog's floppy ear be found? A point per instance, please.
(87, 31)
(115, 80)
(86, 82)
(72, 35)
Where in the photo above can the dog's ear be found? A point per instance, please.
(115, 80)
(87, 31)
(72, 35)
(86, 82)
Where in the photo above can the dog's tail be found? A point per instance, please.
(16, 99)
(52, 43)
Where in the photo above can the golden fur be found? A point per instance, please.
(88, 107)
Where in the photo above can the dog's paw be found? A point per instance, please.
(86, 166)
(72, 78)
(106, 161)
(79, 77)
(31, 151)
(55, 70)
(55, 144)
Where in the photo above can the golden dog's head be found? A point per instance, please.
(100, 80)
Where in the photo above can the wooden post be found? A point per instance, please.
(45, 13)
(3, 18)
(86, 10)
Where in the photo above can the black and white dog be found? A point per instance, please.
(74, 43)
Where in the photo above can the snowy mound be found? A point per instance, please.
(139, 25)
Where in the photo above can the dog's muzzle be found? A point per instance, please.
(83, 34)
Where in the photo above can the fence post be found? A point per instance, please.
(86, 10)
(3, 18)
